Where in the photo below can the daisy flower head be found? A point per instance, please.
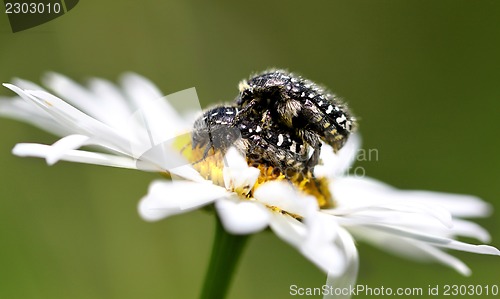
(319, 210)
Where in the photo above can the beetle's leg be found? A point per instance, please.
(245, 111)
(313, 140)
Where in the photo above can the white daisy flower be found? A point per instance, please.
(318, 214)
(414, 224)
(140, 130)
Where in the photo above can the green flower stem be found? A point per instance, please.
(226, 251)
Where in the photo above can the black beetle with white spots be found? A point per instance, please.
(278, 119)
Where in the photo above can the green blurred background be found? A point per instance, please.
(423, 77)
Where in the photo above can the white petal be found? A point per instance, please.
(358, 192)
(482, 249)
(79, 122)
(444, 258)
(459, 205)
(336, 164)
(410, 248)
(367, 194)
(349, 276)
(186, 172)
(76, 95)
(400, 214)
(321, 228)
(73, 119)
(284, 196)
(288, 229)
(102, 100)
(415, 222)
(236, 173)
(129, 138)
(423, 236)
(152, 109)
(25, 84)
(111, 99)
(165, 156)
(21, 110)
(243, 178)
(167, 198)
(409, 213)
(351, 191)
(234, 159)
(325, 255)
(63, 145)
(432, 239)
(42, 151)
(387, 242)
(328, 257)
(470, 229)
(140, 90)
(242, 217)
(181, 106)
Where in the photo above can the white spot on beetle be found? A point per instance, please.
(280, 140)
(258, 129)
(330, 109)
(340, 120)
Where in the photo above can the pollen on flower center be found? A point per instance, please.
(211, 164)
(305, 182)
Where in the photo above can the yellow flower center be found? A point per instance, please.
(210, 164)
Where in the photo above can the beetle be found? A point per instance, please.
(299, 104)
(257, 136)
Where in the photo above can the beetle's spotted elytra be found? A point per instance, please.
(277, 118)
